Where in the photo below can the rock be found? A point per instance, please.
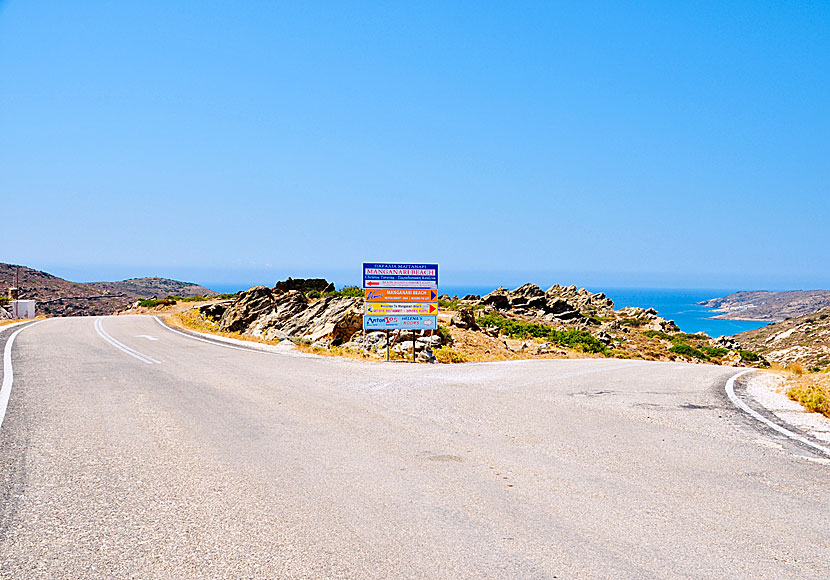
(492, 331)
(604, 338)
(464, 318)
(249, 306)
(304, 285)
(726, 342)
(498, 298)
(472, 298)
(333, 317)
(426, 356)
(286, 306)
(214, 311)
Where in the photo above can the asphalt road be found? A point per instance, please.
(200, 461)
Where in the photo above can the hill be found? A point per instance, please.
(58, 297)
(768, 306)
(804, 339)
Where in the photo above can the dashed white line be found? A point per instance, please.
(99, 328)
(730, 392)
(8, 372)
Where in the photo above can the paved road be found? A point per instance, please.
(222, 463)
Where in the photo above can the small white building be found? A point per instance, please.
(22, 309)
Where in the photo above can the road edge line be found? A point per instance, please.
(8, 371)
(730, 392)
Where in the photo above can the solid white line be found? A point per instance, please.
(99, 328)
(730, 392)
(8, 372)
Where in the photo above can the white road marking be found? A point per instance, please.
(99, 328)
(730, 392)
(8, 372)
(147, 336)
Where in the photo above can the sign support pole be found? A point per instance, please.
(413, 346)
(387, 345)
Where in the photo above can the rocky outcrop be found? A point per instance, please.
(334, 319)
(290, 313)
(248, 306)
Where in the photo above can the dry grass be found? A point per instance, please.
(812, 391)
(15, 320)
(193, 320)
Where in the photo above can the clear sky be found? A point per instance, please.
(667, 144)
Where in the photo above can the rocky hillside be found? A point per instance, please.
(527, 322)
(768, 306)
(58, 297)
(804, 339)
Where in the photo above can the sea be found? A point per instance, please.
(675, 304)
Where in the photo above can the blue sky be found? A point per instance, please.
(668, 144)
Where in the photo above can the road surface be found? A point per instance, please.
(130, 451)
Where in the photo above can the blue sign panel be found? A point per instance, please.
(400, 275)
(413, 322)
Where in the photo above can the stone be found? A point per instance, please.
(213, 311)
(248, 306)
(426, 356)
(334, 317)
(498, 298)
(464, 318)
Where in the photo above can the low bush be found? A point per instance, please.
(814, 397)
(572, 338)
(657, 334)
(749, 356)
(153, 302)
(714, 351)
(313, 294)
(687, 350)
(449, 355)
(350, 291)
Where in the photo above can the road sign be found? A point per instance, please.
(400, 275)
(387, 308)
(393, 322)
(401, 295)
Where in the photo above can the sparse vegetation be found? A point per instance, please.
(350, 291)
(449, 355)
(572, 338)
(153, 302)
(684, 349)
(444, 333)
(452, 304)
(814, 396)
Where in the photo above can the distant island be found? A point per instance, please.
(58, 297)
(767, 306)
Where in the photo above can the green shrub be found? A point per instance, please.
(633, 322)
(657, 334)
(749, 356)
(350, 291)
(153, 302)
(687, 350)
(452, 304)
(572, 338)
(313, 294)
(714, 351)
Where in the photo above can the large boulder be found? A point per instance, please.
(333, 318)
(498, 298)
(249, 306)
(286, 306)
(464, 318)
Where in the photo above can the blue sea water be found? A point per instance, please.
(679, 305)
